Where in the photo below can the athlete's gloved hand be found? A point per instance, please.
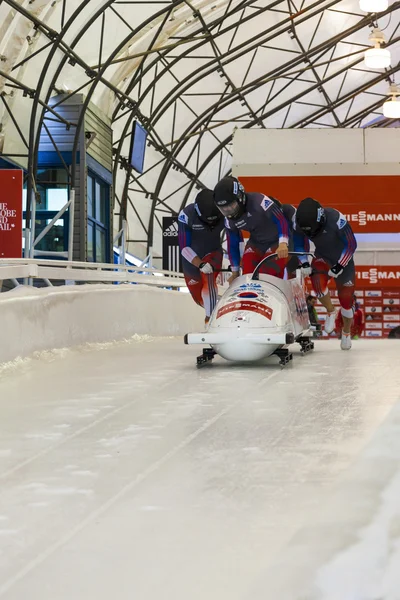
(206, 268)
(306, 269)
(335, 270)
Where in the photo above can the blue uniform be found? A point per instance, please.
(335, 244)
(196, 238)
(266, 223)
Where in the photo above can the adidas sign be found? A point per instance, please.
(171, 231)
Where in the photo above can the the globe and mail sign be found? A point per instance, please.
(172, 260)
(11, 184)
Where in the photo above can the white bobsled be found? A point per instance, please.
(257, 316)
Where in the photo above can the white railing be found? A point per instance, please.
(71, 271)
(22, 268)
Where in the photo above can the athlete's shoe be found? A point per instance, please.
(345, 342)
(330, 322)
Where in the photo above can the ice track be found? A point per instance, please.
(126, 473)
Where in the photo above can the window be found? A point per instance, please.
(52, 185)
(98, 227)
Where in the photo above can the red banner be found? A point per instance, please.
(378, 277)
(11, 185)
(370, 203)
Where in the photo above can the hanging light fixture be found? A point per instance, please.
(391, 108)
(377, 57)
(374, 6)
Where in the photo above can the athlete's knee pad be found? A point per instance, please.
(347, 312)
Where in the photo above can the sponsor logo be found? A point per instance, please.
(373, 302)
(373, 275)
(348, 283)
(373, 333)
(250, 286)
(193, 282)
(373, 309)
(171, 231)
(362, 217)
(391, 325)
(199, 227)
(183, 218)
(391, 301)
(320, 215)
(262, 309)
(235, 187)
(373, 325)
(373, 293)
(391, 294)
(391, 317)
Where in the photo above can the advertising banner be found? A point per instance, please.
(369, 203)
(171, 256)
(381, 310)
(11, 185)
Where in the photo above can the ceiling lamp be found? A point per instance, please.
(391, 108)
(374, 6)
(377, 57)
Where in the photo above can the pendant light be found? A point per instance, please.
(377, 57)
(391, 108)
(373, 6)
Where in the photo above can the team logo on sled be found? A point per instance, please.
(248, 295)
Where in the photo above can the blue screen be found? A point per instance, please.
(138, 147)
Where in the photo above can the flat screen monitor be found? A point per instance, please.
(138, 147)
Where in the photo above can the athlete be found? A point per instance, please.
(335, 245)
(262, 218)
(200, 225)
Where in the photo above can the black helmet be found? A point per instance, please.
(230, 197)
(205, 207)
(310, 217)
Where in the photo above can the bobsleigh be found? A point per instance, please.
(258, 315)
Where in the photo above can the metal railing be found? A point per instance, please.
(75, 271)
(71, 271)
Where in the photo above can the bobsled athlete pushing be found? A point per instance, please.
(259, 315)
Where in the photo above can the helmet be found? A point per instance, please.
(205, 208)
(230, 197)
(310, 217)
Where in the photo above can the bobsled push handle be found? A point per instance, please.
(256, 271)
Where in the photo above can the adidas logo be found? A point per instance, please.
(192, 282)
(348, 283)
(172, 230)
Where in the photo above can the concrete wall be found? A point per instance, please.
(44, 319)
(315, 152)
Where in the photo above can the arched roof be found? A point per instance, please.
(190, 71)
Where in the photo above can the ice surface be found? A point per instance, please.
(126, 473)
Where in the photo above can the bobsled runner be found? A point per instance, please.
(259, 315)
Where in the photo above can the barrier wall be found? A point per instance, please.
(44, 319)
